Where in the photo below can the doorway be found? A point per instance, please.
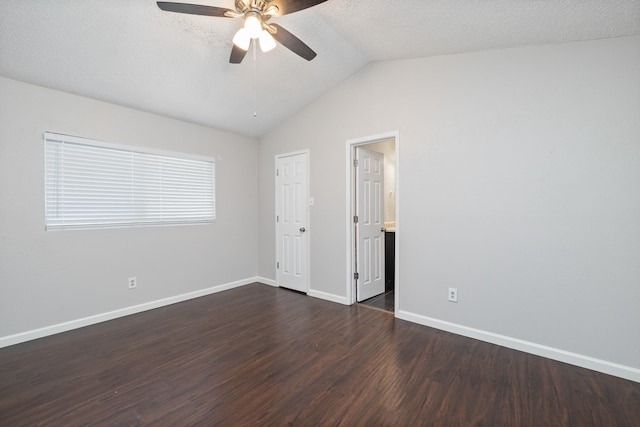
(364, 263)
(292, 221)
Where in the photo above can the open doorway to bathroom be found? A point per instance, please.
(373, 230)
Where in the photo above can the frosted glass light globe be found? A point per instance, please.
(242, 39)
(267, 41)
(253, 26)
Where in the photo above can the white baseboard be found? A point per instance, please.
(622, 371)
(329, 297)
(311, 293)
(266, 281)
(103, 317)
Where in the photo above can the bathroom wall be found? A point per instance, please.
(388, 148)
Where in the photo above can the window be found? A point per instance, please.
(92, 184)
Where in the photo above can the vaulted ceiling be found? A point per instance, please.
(131, 53)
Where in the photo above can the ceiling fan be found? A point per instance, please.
(256, 14)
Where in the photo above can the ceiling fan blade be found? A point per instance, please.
(194, 9)
(293, 43)
(290, 6)
(237, 54)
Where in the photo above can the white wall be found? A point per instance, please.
(388, 149)
(58, 276)
(519, 181)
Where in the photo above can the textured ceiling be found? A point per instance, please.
(131, 53)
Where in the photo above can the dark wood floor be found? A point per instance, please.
(259, 355)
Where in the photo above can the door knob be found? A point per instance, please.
(302, 230)
(383, 229)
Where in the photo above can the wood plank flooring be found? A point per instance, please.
(258, 355)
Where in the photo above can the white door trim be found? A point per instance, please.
(351, 209)
(307, 280)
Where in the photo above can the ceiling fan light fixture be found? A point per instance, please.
(267, 42)
(242, 39)
(256, 25)
(253, 25)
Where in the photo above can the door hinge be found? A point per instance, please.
(277, 172)
(355, 219)
(355, 163)
(277, 264)
(277, 218)
(356, 276)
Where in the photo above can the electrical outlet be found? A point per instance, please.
(132, 283)
(453, 295)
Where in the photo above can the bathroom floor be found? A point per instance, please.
(384, 301)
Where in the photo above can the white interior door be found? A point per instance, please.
(291, 222)
(370, 225)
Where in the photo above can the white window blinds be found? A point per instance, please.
(90, 184)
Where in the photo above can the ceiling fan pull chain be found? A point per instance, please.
(255, 80)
